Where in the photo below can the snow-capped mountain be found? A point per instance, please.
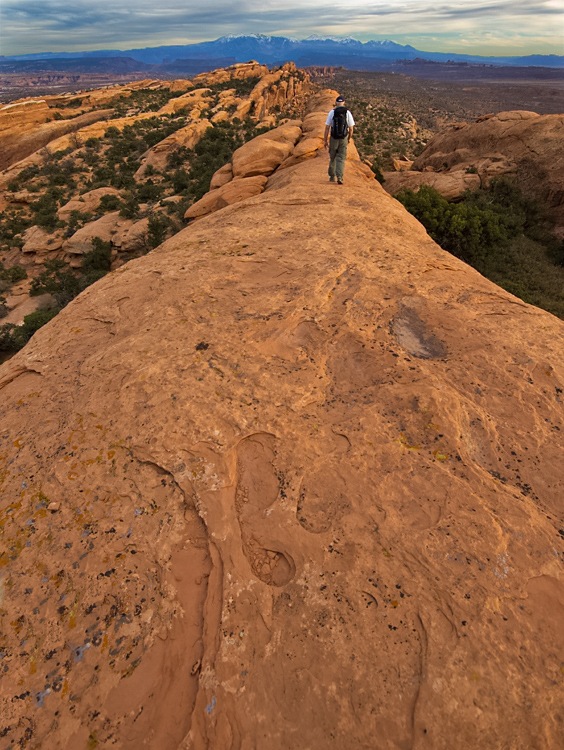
(315, 50)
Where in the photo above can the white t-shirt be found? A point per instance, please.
(350, 121)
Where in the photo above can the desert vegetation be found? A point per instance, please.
(502, 233)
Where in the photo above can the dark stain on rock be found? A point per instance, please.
(412, 335)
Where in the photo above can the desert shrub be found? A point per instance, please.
(44, 210)
(158, 228)
(376, 168)
(103, 175)
(243, 87)
(3, 307)
(502, 233)
(95, 263)
(12, 225)
(465, 229)
(13, 338)
(129, 208)
(63, 283)
(112, 132)
(212, 151)
(58, 280)
(180, 181)
(148, 192)
(177, 157)
(110, 203)
(77, 219)
(12, 274)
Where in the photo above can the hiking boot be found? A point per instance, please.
(331, 179)
(339, 182)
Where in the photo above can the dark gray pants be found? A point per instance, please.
(337, 155)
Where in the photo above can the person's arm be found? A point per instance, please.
(326, 136)
(350, 134)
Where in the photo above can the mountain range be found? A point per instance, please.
(315, 50)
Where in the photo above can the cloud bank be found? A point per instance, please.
(496, 27)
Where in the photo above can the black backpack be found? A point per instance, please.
(339, 128)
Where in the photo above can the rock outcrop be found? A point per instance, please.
(523, 144)
(451, 185)
(105, 228)
(19, 139)
(239, 71)
(291, 480)
(38, 241)
(231, 192)
(186, 137)
(86, 203)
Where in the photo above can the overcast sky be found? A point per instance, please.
(491, 27)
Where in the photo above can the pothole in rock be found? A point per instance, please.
(272, 567)
(412, 335)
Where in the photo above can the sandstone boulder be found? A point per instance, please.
(180, 84)
(221, 177)
(105, 228)
(260, 157)
(21, 305)
(450, 185)
(221, 116)
(265, 153)
(87, 203)
(132, 238)
(233, 192)
(22, 196)
(40, 242)
(237, 71)
(96, 130)
(189, 100)
(402, 164)
(243, 110)
(18, 142)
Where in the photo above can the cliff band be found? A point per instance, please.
(292, 480)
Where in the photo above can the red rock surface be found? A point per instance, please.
(233, 191)
(26, 132)
(292, 480)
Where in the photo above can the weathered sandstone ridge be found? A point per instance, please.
(292, 480)
(523, 144)
(25, 126)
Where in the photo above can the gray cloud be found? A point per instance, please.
(39, 25)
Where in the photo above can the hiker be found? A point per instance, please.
(340, 124)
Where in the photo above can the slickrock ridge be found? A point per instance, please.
(25, 129)
(292, 480)
(523, 144)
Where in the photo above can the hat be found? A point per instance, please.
(340, 99)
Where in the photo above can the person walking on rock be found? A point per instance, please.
(340, 124)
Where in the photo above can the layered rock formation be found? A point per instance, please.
(523, 144)
(26, 127)
(291, 480)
